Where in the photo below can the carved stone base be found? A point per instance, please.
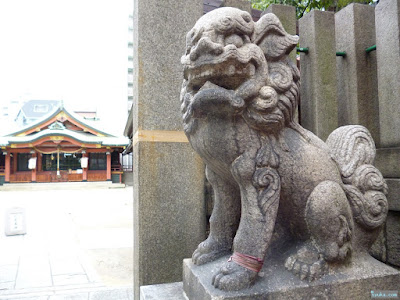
(366, 275)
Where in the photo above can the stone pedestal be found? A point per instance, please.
(366, 275)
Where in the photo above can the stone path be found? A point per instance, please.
(78, 245)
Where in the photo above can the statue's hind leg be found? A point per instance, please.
(260, 191)
(224, 220)
(330, 224)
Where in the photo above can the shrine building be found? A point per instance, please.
(61, 147)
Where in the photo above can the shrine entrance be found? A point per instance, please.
(62, 148)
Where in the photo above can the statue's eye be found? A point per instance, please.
(234, 39)
(246, 17)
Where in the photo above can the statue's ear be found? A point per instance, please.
(272, 38)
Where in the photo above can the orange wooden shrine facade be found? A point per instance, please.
(60, 148)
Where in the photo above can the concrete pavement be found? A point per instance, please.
(78, 245)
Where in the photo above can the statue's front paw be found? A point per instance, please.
(232, 277)
(210, 250)
(307, 264)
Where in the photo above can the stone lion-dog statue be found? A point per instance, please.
(275, 183)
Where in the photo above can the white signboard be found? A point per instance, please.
(15, 221)
(32, 163)
(84, 162)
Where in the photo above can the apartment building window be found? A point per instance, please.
(40, 108)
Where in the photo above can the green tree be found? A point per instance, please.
(304, 6)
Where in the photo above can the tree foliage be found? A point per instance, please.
(304, 6)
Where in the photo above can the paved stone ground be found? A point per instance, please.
(78, 245)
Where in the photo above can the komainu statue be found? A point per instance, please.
(276, 184)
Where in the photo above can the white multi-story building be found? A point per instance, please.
(8, 113)
(127, 159)
(130, 63)
(33, 110)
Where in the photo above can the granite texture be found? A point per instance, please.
(169, 210)
(387, 23)
(378, 249)
(393, 238)
(388, 162)
(357, 90)
(275, 183)
(318, 106)
(354, 283)
(394, 193)
(160, 30)
(166, 291)
(387, 246)
(167, 177)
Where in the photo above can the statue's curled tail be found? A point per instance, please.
(353, 149)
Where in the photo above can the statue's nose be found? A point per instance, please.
(205, 46)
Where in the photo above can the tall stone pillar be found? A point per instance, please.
(357, 90)
(387, 23)
(318, 106)
(168, 177)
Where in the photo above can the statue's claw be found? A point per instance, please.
(209, 250)
(307, 264)
(232, 277)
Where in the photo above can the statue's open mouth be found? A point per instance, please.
(228, 70)
(227, 75)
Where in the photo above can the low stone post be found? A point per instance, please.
(357, 90)
(168, 177)
(387, 22)
(318, 106)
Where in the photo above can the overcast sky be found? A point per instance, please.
(70, 50)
